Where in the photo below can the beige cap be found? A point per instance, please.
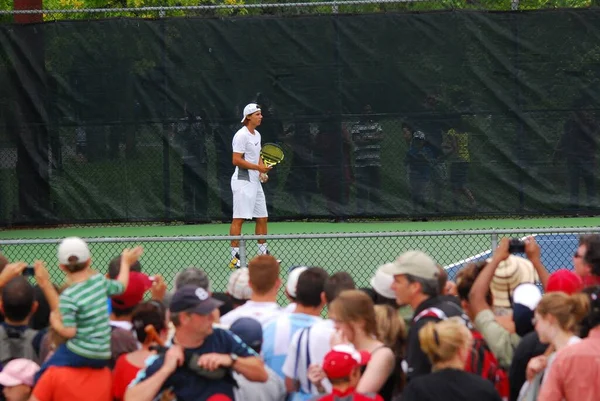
(415, 263)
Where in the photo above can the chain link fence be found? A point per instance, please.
(357, 253)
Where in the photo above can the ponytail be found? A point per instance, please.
(441, 341)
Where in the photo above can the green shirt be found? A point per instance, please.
(84, 306)
(501, 342)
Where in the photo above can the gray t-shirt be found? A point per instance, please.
(272, 390)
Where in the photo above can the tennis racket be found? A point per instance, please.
(152, 336)
(271, 155)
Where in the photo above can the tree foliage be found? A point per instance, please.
(236, 10)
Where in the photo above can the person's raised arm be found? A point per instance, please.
(43, 280)
(482, 283)
(11, 271)
(533, 252)
(128, 258)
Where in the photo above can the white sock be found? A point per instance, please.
(262, 249)
(235, 250)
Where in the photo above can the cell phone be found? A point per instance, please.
(516, 246)
(29, 271)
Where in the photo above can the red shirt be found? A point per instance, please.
(575, 373)
(590, 280)
(350, 395)
(63, 383)
(123, 374)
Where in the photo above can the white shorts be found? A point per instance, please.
(248, 200)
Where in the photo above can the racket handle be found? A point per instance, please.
(152, 336)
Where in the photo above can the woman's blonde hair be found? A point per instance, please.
(441, 341)
(390, 328)
(568, 310)
(355, 306)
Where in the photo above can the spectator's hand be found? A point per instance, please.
(316, 375)
(535, 366)
(159, 288)
(213, 361)
(173, 358)
(532, 249)
(42, 277)
(130, 256)
(502, 253)
(11, 271)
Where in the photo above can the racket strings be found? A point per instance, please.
(273, 153)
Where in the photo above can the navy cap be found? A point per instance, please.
(249, 330)
(193, 299)
(523, 317)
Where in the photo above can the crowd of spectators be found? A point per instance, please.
(503, 329)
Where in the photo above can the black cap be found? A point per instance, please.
(193, 299)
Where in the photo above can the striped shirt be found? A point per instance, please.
(367, 137)
(462, 142)
(277, 336)
(83, 305)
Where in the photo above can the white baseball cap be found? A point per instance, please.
(250, 109)
(381, 282)
(527, 294)
(292, 281)
(238, 285)
(73, 247)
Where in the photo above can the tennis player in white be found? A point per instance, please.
(248, 196)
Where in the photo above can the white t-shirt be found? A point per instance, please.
(319, 338)
(291, 308)
(264, 312)
(248, 144)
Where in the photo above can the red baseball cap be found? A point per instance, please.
(564, 280)
(139, 283)
(342, 359)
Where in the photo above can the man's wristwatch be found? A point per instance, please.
(234, 358)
